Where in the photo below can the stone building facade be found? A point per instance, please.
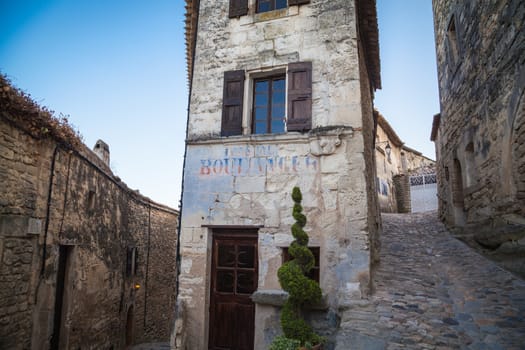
(480, 131)
(85, 262)
(281, 95)
(395, 164)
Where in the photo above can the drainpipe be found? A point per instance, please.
(147, 267)
(48, 209)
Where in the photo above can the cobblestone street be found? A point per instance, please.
(434, 292)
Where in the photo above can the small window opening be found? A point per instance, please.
(315, 271)
(131, 262)
(452, 37)
(270, 5)
(91, 200)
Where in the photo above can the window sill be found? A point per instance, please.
(334, 132)
(291, 136)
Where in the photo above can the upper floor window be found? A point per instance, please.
(240, 8)
(270, 5)
(268, 105)
(277, 103)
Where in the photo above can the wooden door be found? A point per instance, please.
(234, 279)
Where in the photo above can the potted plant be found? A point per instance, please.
(302, 291)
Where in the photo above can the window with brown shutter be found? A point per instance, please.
(238, 8)
(299, 96)
(232, 103)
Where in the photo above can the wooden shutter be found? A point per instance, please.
(232, 103)
(299, 96)
(298, 2)
(238, 8)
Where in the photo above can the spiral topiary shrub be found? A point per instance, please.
(293, 278)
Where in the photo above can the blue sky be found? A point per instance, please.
(117, 69)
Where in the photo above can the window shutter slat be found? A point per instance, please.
(238, 8)
(299, 96)
(232, 103)
(298, 2)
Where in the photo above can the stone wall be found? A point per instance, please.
(58, 200)
(246, 180)
(402, 188)
(481, 70)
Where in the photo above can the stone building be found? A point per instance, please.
(395, 164)
(85, 262)
(480, 131)
(281, 95)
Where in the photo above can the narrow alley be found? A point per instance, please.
(434, 292)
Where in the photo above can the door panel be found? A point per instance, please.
(234, 279)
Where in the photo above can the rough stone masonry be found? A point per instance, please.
(480, 133)
(85, 262)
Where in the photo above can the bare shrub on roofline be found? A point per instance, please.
(19, 108)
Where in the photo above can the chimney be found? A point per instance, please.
(101, 149)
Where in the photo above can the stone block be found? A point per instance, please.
(15, 225)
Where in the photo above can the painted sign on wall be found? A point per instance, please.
(255, 161)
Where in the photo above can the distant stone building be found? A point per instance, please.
(395, 164)
(281, 96)
(85, 262)
(480, 131)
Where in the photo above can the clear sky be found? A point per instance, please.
(117, 69)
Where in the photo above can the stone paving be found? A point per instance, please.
(434, 292)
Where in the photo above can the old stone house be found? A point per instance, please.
(480, 131)
(281, 95)
(395, 164)
(85, 262)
